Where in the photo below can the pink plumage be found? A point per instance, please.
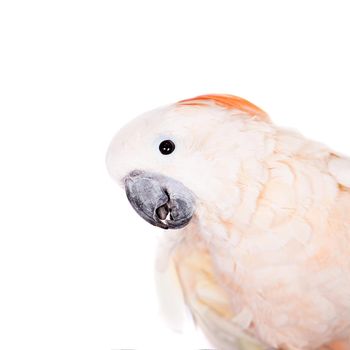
(262, 258)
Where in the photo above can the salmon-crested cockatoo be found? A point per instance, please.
(258, 219)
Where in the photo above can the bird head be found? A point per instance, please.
(173, 160)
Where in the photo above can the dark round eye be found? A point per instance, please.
(167, 147)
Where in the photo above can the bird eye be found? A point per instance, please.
(166, 147)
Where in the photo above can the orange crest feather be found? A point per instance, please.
(229, 102)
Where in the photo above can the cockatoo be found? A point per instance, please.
(256, 219)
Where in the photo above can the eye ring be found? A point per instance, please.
(166, 147)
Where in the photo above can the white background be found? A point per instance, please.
(76, 262)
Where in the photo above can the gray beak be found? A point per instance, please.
(160, 200)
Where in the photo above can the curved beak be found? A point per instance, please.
(160, 200)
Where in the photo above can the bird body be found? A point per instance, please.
(264, 261)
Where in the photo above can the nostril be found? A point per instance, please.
(135, 173)
(163, 211)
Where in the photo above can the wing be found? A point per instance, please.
(188, 279)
